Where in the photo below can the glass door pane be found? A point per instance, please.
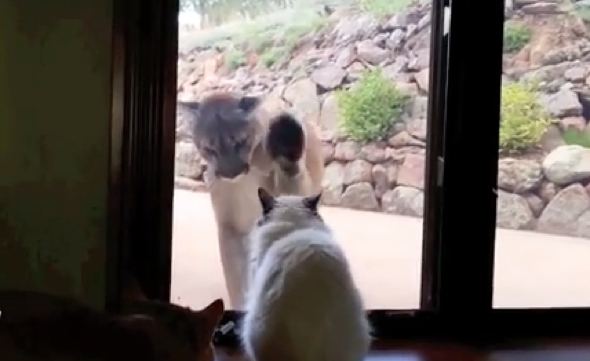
(543, 215)
(356, 70)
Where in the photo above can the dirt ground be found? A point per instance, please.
(532, 269)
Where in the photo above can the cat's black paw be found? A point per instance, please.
(285, 142)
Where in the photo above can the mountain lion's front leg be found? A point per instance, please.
(234, 260)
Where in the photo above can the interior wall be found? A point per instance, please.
(55, 95)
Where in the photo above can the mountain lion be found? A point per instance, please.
(246, 148)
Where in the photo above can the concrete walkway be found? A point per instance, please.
(532, 269)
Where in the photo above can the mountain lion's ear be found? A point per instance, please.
(312, 202)
(248, 103)
(190, 106)
(267, 201)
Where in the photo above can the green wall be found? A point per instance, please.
(55, 95)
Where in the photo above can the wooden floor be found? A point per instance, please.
(570, 351)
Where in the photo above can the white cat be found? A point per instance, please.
(302, 303)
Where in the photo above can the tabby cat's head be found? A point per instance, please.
(183, 334)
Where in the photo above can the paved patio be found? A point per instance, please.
(532, 269)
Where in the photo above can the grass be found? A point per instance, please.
(283, 28)
(263, 35)
(234, 58)
(576, 137)
(581, 10)
(275, 35)
(516, 36)
(272, 56)
(384, 7)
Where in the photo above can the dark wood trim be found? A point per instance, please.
(499, 326)
(505, 328)
(458, 291)
(115, 200)
(495, 327)
(540, 349)
(434, 153)
(466, 254)
(169, 11)
(142, 146)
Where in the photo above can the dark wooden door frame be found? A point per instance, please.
(142, 145)
(145, 38)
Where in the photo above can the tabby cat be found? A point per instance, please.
(38, 326)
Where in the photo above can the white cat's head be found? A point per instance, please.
(289, 209)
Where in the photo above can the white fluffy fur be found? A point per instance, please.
(302, 303)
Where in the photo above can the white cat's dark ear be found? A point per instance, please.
(312, 202)
(267, 201)
(190, 106)
(249, 103)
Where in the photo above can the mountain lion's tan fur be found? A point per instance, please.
(235, 201)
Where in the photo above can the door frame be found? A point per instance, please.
(141, 177)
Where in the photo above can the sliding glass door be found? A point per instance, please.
(415, 115)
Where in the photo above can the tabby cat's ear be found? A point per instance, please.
(312, 202)
(213, 313)
(267, 201)
(131, 289)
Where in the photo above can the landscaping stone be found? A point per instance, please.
(546, 190)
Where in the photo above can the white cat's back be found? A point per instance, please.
(303, 304)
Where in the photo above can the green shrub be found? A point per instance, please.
(293, 33)
(371, 107)
(234, 58)
(582, 10)
(523, 119)
(271, 56)
(576, 137)
(260, 42)
(516, 36)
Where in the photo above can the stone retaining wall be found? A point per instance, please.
(547, 192)
(550, 195)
